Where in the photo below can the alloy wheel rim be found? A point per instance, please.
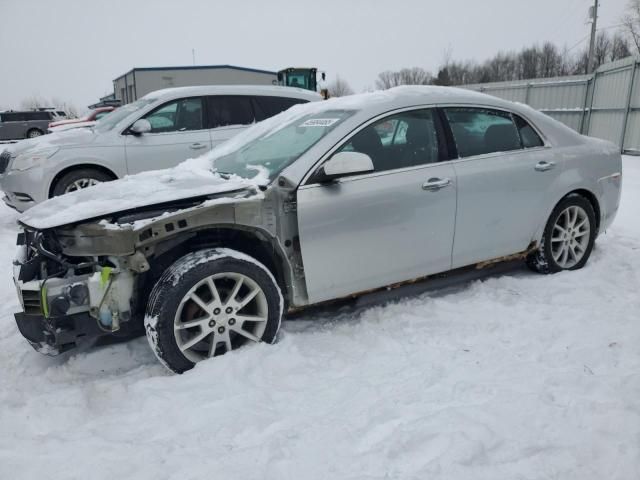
(34, 134)
(570, 236)
(80, 184)
(218, 314)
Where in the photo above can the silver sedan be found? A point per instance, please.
(326, 200)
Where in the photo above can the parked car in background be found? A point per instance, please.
(86, 120)
(16, 125)
(157, 131)
(307, 207)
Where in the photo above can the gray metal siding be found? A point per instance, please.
(147, 81)
(605, 104)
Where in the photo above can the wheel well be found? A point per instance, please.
(252, 243)
(34, 128)
(592, 200)
(61, 173)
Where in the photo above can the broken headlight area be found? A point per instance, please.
(65, 299)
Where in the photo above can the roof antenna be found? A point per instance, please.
(193, 55)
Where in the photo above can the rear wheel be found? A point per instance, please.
(568, 237)
(209, 303)
(34, 132)
(79, 179)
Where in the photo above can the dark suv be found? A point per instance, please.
(28, 124)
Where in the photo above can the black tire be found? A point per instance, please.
(176, 282)
(542, 261)
(34, 132)
(69, 178)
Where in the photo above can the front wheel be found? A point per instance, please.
(211, 302)
(568, 237)
(78, 180)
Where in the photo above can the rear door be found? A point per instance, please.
(178, 132)
(504, 174)
(391, 225)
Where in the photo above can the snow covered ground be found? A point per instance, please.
(516, 376)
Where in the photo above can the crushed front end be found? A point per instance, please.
(69, 300)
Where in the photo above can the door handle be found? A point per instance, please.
(435, 184)
(543, 166)
(197, 146)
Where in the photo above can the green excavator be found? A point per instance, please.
(303, 78)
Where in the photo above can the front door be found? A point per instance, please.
(389, 226)
(178, 131)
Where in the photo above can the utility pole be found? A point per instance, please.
(593, 13)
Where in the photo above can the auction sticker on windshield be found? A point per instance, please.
(320, 122)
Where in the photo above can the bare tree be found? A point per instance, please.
(387, 79)
(339, 88)
(406, 76)
(631, 22)
(32, 102)
(619, 48)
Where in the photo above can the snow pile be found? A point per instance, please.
(517, 376)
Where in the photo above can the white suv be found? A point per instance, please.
(157, 131)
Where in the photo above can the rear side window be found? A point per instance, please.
(529, 137)
(227, 110)
(266, 107)
(37, 115)
(479, 131)
(13, 117)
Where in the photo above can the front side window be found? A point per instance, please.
(227, 110)
(403, 140)
(180, 115)
(479, 131)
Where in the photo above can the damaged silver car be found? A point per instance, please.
(325, 201)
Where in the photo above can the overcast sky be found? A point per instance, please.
(73, 49)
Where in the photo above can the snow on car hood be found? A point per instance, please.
(71, 125)
(188, 180)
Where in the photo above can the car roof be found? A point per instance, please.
(415, 95)
(266, 90)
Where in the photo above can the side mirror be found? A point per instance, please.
(343, 164)
(140, 126)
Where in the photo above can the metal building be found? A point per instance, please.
(605, 104)
(137, 82)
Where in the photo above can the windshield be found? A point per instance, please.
(109, 121)
(279, 148)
